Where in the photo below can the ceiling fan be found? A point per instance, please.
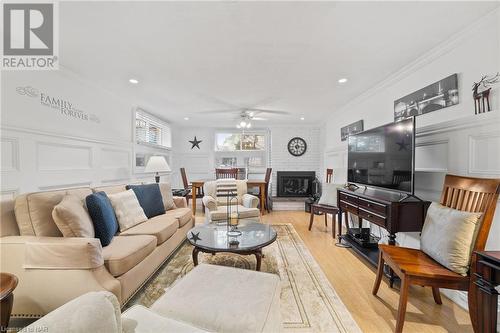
(245, 116)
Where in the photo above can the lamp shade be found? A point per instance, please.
(157, 164)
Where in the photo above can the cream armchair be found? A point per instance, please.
(216, 207)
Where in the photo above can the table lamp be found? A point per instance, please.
(157, 164)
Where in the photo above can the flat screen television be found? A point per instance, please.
(384, 157)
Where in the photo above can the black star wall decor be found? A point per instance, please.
(195, 143)
(403, 145)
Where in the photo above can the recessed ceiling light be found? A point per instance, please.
(186, 118)
(133, 81)
(302, 118)
(343, 80)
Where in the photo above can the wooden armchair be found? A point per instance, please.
(415, 267)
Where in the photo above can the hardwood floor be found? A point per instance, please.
(353, 279)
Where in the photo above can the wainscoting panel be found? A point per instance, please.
(484, 153)
(432, 156)
(115, 158)
(10, 154)
(52, 156)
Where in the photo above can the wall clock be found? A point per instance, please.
(297, 146)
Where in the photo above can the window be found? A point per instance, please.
(239, 141)
(227, 142)
(151, 130)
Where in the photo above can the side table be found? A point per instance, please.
(8, 283)
(487, 277)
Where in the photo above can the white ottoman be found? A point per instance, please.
(224, 299)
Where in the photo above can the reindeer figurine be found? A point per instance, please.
(484, 95)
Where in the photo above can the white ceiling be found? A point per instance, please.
(192, 57)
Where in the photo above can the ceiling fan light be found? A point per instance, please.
(249, 125)
(243, 123)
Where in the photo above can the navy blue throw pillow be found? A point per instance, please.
(103, 217)
(150, 199)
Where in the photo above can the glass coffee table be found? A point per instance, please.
(213, 238)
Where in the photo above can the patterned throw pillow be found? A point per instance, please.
(448, 236)
(72, 218)
(150, 199)
(128, 211)
(103, 217)
(226, 190)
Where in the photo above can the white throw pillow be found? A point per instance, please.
(128, 211)
(72, 218)
(448, 236)
(166, 194)
(329, 194)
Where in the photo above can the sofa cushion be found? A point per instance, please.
(161, 226)
(448, 236)
(127, 209)
(125, 252)
(182, 215)
(217, 311)
(166, 194)
(243, 213)
(34, 211)
(111, 189)
(149, 197)
(103, 217)
(72, 218)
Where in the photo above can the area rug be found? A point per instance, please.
(308, 301)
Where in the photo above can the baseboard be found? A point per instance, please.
(457, 296)
(460, 298)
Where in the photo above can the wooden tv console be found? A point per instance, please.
(389, 210)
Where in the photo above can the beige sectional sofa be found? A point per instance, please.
(53, 269)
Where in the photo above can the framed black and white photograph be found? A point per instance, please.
(436, 96)
(351, 129)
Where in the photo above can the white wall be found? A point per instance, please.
(44, 148)
(451, 140)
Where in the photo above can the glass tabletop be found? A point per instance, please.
(214, 237)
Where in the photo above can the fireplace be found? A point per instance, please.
(295, 183)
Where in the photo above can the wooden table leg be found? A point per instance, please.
(195, 256)
(194, 190)
(6, 306)
(258, 256)
(311, 218)
(262, 194)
